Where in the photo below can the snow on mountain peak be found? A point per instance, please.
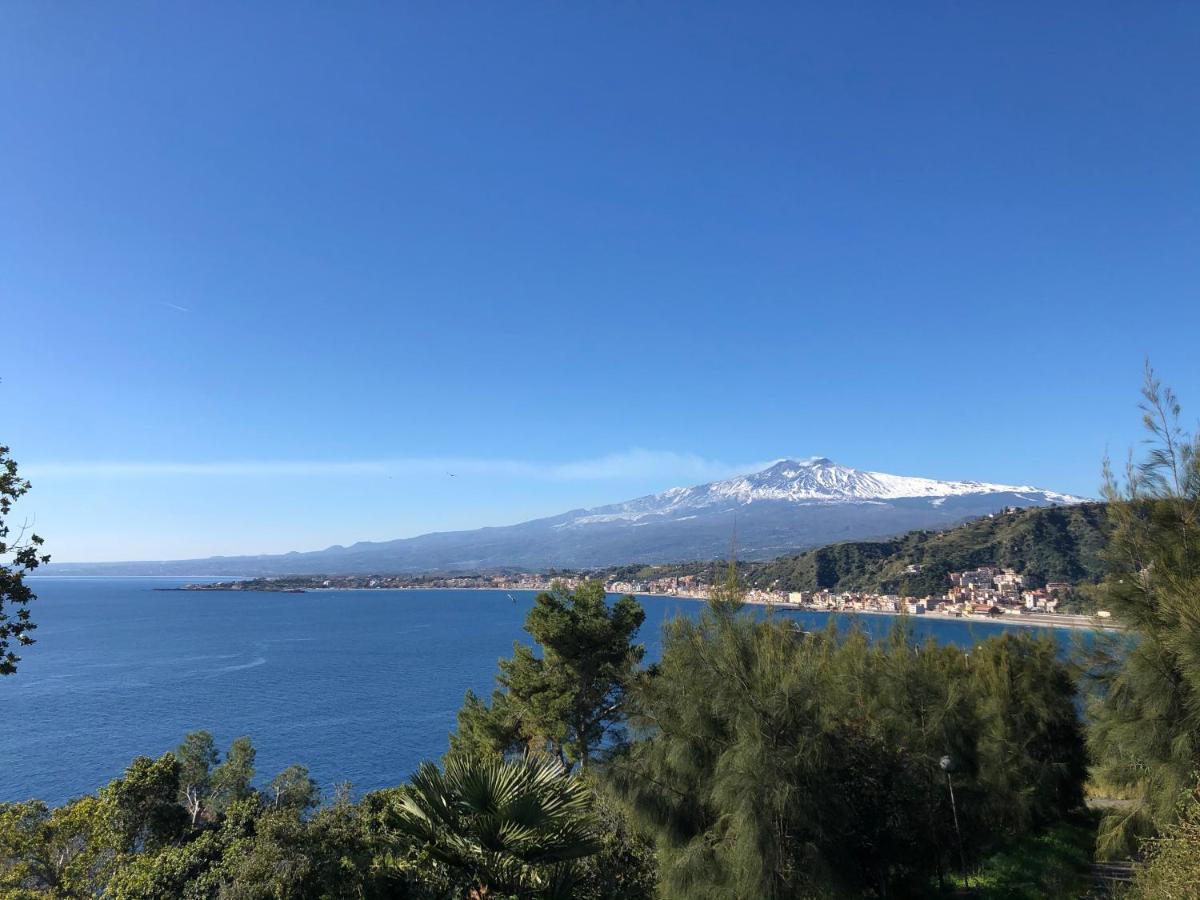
(814, 480)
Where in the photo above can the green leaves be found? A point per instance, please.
(1172, 860)
(60, 852)
(567, 698)
(205, 788)
(773, 764)
(140, 809)
(1145, 732)
(19, 556)
(293, 789)
(231, 780)
(507, 824)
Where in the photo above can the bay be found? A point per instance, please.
(360, 686)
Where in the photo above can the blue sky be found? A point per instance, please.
(269, 271)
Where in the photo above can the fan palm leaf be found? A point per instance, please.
(515, 825)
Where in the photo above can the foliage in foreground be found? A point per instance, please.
(1171, 870)
(776, 764)
(1145, 714)
(499, 829)
(511, 825)
(568, 698)
(19, 555)
(1052, 865)
(141, 836)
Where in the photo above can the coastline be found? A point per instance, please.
(1072, 622)
(1077, 623)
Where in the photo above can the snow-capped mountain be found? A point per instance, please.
(815, 480)
(789, 506)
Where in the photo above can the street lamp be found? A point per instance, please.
(947, 765)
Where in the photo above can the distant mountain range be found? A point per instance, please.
(789, 506)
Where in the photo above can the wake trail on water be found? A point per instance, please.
(254, 663)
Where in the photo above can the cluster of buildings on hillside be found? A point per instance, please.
(983, 591)
(1003, 588)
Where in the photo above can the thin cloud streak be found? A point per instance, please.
(636, 463)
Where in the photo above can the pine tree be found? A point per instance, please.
(568, 698)
(1145, 732)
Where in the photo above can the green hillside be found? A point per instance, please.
(1061, 543)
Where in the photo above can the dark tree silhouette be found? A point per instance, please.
(20, 554)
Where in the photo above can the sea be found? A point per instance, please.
(360, 686)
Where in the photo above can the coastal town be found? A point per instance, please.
(986, 592)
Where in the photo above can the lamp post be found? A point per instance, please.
(947, 765)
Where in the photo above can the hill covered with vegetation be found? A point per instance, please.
(1061, 543)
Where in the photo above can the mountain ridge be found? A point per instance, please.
(789, 506)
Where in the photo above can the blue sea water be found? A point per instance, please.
(358, 685)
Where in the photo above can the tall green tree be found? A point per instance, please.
(231, 779)
(197, 757)
(141, 810)
(1145, 729)
(293, 789)
(1030, 745)
(20, 554)
(570, 695)
(207, 788)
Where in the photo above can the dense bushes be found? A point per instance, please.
(1171, 870)
(777, 764)
(497, 829)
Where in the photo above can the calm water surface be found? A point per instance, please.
(358, 685)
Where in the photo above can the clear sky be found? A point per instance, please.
(268, 272)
